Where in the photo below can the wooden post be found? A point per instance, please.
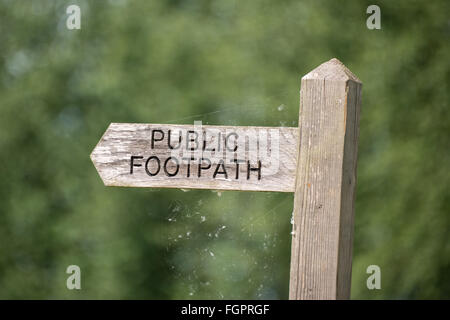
(321, 258)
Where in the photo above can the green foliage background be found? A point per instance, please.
(222, 62)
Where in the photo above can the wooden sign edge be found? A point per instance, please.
(109, 184)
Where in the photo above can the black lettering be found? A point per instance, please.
(235, 141)
(168, 140)
(224, 171)
(201, 167)
(189, 165)
(204, 143)
(153, 136)
(254, 169)
(218, 142)
(146, 166)
(165, 167)
(237, 161)
(132, 164)
(189, 140)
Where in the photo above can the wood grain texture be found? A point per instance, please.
(275, 148)
(321, 256)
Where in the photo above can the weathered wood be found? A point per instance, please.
(317, 161)
(266, 155)
(321, 257)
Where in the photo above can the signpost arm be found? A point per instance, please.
(321, 258)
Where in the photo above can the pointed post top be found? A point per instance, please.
(332, 70)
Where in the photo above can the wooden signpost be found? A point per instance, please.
(317, 161)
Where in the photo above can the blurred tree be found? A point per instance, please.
(222, 62)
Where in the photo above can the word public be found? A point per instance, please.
(163, 161)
